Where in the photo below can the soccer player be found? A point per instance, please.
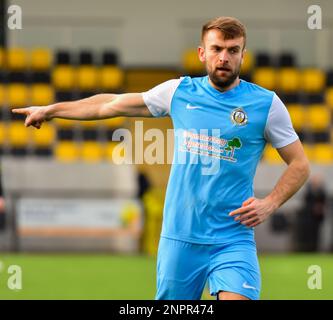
(209, 217)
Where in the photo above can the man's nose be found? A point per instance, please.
(224, 56)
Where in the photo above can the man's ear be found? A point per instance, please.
(201, 54)
(243, 54)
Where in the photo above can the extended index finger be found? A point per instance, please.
(241, 210)
(21, 111)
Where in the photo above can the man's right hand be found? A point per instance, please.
(35, 116)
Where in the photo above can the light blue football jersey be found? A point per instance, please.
(219, 140)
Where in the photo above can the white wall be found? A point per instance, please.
(155, 32)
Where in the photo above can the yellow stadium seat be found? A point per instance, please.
(41, 95)
(3, 95)
(18, 134)
(18, 95)
(2, 58)
(191, 62)
(3, 133)
(112, 123)
(297, 115)
(288, 80)
(322, 153)
(45, 136)
(89, 124)
(64, 77)
(265, 77)
(41, 59)
(313, 80)
(271, 155)
(308, 151)
(92, 152)
(111, 78)
(248, 63)
(87, 77)
(329, 97)
(65, 123)
(67, 151)
(318, 117)
(17, 59)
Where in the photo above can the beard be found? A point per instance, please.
(225, 81)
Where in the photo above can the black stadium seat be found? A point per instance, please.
(286, 59)
(264, 60)
(63, 57)
(86, 57)
(110, 58)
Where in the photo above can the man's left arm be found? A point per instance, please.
(254, 211)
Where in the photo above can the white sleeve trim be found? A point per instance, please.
(279, 129)
(158, 99)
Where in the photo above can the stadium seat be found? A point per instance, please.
(64, 77)
(66, 134)
(318, 117)
(3, 133)
(63, 57)
(291, 98)
(41, 59)
(308, 151)
(286, 59)
(65, 96)
(3, 96)
(40, 77)
(89, 124)
(18, 134)
(90, 134)
(44, 137)
(86, 57)
(113, 123)
(313, 80)
(64, 123)
(87, 77)
(110, 57)
(92, 151)
(67, 151)
(248, 63)
(329, 97)
(142, 79)
(18, 77)
(111, 78)
(322, 154)
(320, 137)
(288, 80)
(329, 78)
(298, 116)
(191, 63)
(313, 98)
(41, 95)
(18, 95)
(265, 77)
(271, 155)
(264, 59)
(17, 59)
(2, 58)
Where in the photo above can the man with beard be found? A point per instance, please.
(209, 213)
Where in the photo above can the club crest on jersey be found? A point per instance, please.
(238, 117)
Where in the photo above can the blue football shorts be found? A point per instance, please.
(183, 269)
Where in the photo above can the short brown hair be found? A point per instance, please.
(229, 26)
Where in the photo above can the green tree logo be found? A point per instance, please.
(233, 144)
